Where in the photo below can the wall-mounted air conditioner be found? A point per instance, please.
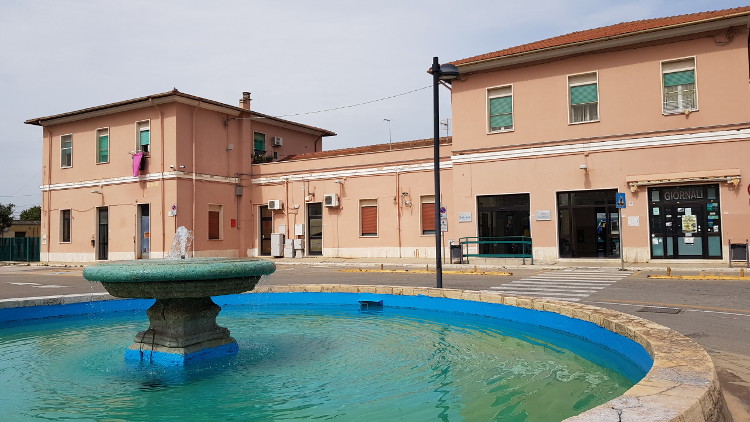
(277, 141)
(331, 200)
(275, 204)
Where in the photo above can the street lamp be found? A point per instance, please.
(445, 72)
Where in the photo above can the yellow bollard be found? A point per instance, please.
(381, 267)
(742, 272)
(475, 268)
(669, 271)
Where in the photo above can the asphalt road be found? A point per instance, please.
(714, 313)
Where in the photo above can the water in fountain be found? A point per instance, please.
(182, 244)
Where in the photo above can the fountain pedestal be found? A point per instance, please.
(183, 325)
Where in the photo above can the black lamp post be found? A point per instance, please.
(439, 72)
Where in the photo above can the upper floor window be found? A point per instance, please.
(584, 98)
(259, 142)
(66, 151)
(143, 136)
(102, 146)
(678, 78)
(500, 106)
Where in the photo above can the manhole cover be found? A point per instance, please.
(660, 310)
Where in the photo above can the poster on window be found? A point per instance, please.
(689, 223)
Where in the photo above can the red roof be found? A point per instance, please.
(368, 149)
(618, 30)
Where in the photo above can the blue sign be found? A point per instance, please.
(620, 200)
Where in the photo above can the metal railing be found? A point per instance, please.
(498, 247)
(19, 249)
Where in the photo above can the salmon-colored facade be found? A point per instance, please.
(547, 138)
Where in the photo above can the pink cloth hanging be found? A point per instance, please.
(137, 157)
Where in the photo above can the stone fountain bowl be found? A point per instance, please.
(184, 278)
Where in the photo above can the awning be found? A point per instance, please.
(729, 175)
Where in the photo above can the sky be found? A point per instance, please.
(296, 58)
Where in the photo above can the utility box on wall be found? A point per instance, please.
(277, 245)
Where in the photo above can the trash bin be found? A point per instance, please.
(457, 256)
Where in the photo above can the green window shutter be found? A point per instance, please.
(679, 78)
(583, 94)
(104, 149)
(259, 142)
(501, 105)
(503, 120)
(145, 137)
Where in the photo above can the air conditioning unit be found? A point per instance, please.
(277, 141)
(275, 204)
(331, 200)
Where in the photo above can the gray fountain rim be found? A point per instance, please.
(169, 270)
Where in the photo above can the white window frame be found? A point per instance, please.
(674, 66)
(99, 132)
(62, 149)
(220, 209)
(369, 203)
(141, 126)
(490, 95)
(580, 79)
(62, 226)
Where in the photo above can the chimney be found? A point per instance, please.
(245, 101)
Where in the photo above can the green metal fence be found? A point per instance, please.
(498, 247)
(19, 249)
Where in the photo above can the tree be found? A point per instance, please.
(32, 214)
(6, 216)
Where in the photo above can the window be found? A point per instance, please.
(428, 214)
(500, 105)
(678, 78)
(368, 216)
(102, 146)
(66, 151)
(214, 222)
(259, 143)
(65, 226)
(143, 136)
(584, 98)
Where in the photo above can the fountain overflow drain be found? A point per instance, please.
(660, 310)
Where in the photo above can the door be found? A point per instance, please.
(315, 229)
(102, 233)
(144, 232)
(588, 224)
(265, 230)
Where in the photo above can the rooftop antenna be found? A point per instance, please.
(390, 140)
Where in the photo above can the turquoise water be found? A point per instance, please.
(329, 362)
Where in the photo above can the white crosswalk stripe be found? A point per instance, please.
(571, 285)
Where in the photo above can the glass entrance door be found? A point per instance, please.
(588, 224)
(102, 232)
(144, 232)
(315, 229)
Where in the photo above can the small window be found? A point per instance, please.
(428, 214)
(500, 106)
(368, 216)
(583, 91)
(259, 143)
(214, 222)
(102, 146)
(143, 136)
(678, 78)
(65, 226)
(66, 151)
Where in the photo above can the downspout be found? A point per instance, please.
(398, 210)
(49, 191)
(195, 110)
(161, 183)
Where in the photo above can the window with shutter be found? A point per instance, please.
(369, 217)
(678, 79)
(102, 146)
(143, 136)
(259, 142)
(66, 151)
(214, 222)
(428, 214)
(500, 107)
(584, 98)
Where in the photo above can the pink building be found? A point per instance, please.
(551, 140)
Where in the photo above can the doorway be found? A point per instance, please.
(102, 233)
(315, 228)
(500, 216)
(588, 224)
(265, 230)
(144, 232)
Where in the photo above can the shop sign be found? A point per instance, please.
(683, 194)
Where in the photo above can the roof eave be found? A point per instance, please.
(621, 40)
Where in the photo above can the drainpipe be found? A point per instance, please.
(195, 110)
(398, 210)
(49, 191)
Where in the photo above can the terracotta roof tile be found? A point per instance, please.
(368, 149)
(620, 29)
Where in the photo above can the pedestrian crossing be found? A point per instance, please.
(571, 284)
